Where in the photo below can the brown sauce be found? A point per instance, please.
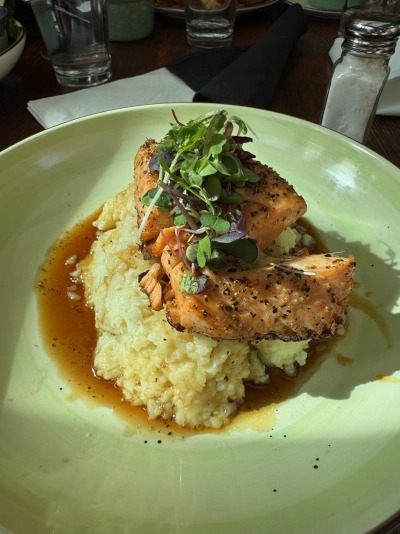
(69, 337)
(387, 378)
(344, 360)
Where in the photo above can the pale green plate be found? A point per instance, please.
(209, 483)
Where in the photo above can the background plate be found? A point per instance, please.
(317, 12)
(345, 420)
(179, 13)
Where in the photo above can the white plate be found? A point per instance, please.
(317, 12)
(179, 12)
(345, 416)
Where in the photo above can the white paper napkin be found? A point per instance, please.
(159, 86)
(389, 103)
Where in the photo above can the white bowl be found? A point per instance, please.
(10, 56)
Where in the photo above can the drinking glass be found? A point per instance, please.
(210, 23)
(76, 36)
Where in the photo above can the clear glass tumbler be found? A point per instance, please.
(210, 23)
(76, 36)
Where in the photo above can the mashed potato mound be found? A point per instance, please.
(184, 377)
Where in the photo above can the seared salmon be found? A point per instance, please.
(305, 297)
(270, 205)
(293, 298)
(145, 180)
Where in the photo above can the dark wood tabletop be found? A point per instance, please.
(300, 92)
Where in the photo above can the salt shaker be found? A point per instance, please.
(360, 74)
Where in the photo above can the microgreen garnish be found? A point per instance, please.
(192, 284)
(199, 163)
(163, 201)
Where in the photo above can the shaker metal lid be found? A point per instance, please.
(372, 32)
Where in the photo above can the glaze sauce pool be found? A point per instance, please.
(69, 337)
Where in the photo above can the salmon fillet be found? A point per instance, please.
(304, 297)
(264, 303)
(270, 205)
(145, 180)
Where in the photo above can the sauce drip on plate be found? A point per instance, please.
(69, 337)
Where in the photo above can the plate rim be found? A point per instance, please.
(179, 12)
(278, 115)
(315, 12)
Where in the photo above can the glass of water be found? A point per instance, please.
(210, 23)
(76, 36)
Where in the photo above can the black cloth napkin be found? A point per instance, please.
(243, 75)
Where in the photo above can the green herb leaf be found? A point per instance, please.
(244, 249)
(189, 284)
(234, 198)
(219, 225)
(168, 145)
(250, 175)
(230, 145)
(217, 142)
(213, 187)
(189, 142)
(204, 251)
(231, 165)
(191, 252)
(192, 178)
(219, 120)
(179, 219)
(164, 201)
(205, 168)
(218, 261)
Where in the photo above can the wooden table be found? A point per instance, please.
(300, 92)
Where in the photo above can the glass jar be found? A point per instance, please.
(130, 20)
(360, 74)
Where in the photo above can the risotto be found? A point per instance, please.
(185, 377)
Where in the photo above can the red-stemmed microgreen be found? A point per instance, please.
(200, 165)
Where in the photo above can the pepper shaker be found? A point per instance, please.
(360, 74)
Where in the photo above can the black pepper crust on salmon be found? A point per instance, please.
(270, 205)
(265, 303)
(304, 297)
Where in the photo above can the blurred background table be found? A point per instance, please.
(300, 92)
